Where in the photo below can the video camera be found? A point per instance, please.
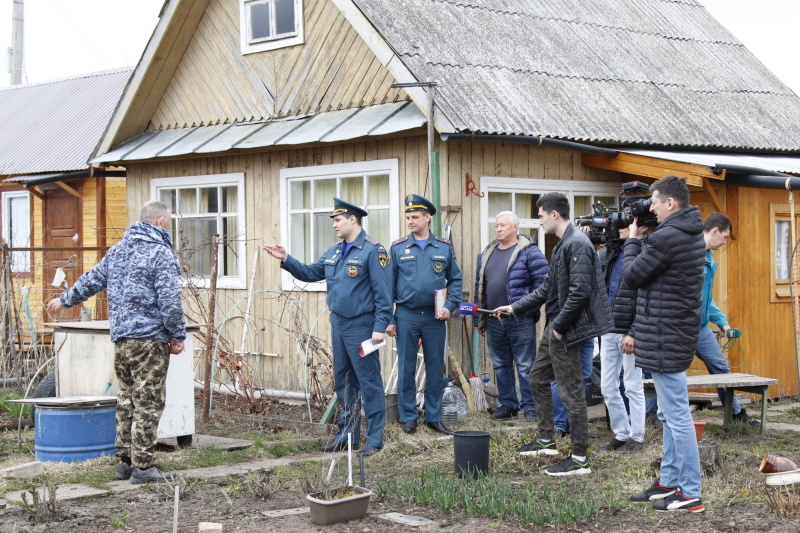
(605, 222)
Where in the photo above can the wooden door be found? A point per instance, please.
(62, 229)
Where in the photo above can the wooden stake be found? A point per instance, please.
(212, 302)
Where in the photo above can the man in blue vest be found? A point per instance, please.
(359, 298)
(422, 264)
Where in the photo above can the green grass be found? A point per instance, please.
(14, 408)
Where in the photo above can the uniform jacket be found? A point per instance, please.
(624, 309)
(582, 298)
(527, 268)
(710, 312)
(417, 273)
(142, 275)
(667, 271)
(358, 283)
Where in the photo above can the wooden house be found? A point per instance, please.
(57, 211)
(248, 116)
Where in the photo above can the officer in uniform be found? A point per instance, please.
(422, 263)
(358, 276)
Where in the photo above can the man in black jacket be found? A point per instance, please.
(667, 270)
(576, 309)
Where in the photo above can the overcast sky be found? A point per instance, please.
(69, 37)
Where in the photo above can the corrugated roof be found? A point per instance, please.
(647, 72)
(323, 127)
(55, 126)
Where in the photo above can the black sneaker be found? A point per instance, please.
(613, 445)
(539, 447)
(124, 471)
(569, 467)
(656, 492)
(678, 501)
(560, 433)
(152, 474)
(744, 418)
(505, 412)
(530, 415)
(630, 446)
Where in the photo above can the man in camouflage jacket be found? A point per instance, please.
(145, 313)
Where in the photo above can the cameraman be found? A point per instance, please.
(616, 353)
(667, 271)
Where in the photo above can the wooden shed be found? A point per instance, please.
(57, 211)
(248, 116)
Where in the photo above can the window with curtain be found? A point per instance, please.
(17, 228)
(270, 24)
(308, 193)
(202, 206)
(781, 250)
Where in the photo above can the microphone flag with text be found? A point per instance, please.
(467, 308)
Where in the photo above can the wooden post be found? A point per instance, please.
(212, 302)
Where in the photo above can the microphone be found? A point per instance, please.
(467, 308)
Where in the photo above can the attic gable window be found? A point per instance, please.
(270, 24)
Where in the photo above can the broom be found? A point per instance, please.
(475, 382)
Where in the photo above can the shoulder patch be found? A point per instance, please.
(371, 240)
(402, 239)
(446, 241)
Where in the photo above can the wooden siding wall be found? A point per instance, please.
(214, 83)
(262, 172)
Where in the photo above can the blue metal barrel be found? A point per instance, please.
(75, 433)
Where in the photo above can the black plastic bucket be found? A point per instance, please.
(471, 453)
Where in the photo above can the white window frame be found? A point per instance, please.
(225, 180)
(7, 196)
(569, 188)
(270, 43)
(382, 166)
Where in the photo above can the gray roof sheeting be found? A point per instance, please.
(55, 126)
(647, 72)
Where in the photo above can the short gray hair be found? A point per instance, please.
(512, 217)
(152, 210)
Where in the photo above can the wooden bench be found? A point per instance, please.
(731, 382)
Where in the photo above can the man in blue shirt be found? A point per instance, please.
(716, 230)
(422, 264)
(359, 289)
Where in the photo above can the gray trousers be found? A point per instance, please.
(554, 360)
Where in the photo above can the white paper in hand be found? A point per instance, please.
(367, 347)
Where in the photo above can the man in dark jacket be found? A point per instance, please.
(577, 309)
(667, 270)
(616, 353)
(509, 268)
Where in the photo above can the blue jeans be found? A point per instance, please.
(709, 352)
(512, 342)
(357, 378)
(650, 404)
(611, 361)
(560, 413)
(413, 325)
(680, 465)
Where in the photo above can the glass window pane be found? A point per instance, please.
(533, 233)
(259, 21)
(229, 249)
(608, 201)
(583, 206)
(782, 249)
(284, 17)
(230, 200)
(525, 205)
(168, 197)
(300, 231)
(377, 226)
(378, 189)
(187, 201)
(499, 201)
(196, 243)
(19, 232)
(208, 200)
(324, 191)
(300, 193)
(353, 190)
(324, 235)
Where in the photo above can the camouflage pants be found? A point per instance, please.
(141, 367)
